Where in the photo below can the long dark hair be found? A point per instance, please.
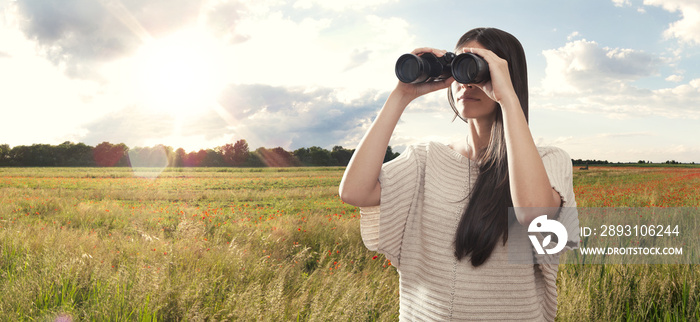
(485, 220)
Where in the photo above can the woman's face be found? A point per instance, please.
(470, 101)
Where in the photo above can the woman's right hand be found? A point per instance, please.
(413, 91)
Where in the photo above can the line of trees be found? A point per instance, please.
(105, 154)
(580, 162)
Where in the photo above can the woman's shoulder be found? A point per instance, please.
(555, 160)
(552, 152)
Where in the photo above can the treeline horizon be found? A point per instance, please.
(580, 162)
(106, 154)
(238, 154)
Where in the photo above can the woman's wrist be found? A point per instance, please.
(399, 99)
(510, 103)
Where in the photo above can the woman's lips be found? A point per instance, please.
(468, 98)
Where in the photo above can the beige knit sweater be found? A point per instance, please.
(424, 193)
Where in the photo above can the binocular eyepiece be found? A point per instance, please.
(466, 68)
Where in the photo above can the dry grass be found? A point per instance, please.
(259, 245)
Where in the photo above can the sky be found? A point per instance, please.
(614, 80)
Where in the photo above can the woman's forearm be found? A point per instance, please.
(529, 183)
(360, 186)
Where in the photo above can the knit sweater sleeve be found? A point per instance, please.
(382, 227)
(557, 163)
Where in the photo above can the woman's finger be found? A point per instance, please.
(436, 52)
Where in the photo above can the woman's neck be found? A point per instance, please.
(479, 136)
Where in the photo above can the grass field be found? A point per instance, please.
(270, 245)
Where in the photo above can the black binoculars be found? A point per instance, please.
(466, 68)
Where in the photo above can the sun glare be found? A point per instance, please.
(180, 75)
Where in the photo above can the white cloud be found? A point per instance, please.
(583, 76)
(687, 29)
(79, 35)
(355, 54)
(624, 134)
(270, 116)
(341, 5)
(675, 78)
(39, 102)
(572, 35)
(584, 66)
(621, 3)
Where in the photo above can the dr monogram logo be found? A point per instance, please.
(543, 225)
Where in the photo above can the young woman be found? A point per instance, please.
(440, 213)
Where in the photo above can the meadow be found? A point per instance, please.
(268, 244)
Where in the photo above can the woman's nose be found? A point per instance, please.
(465, 86)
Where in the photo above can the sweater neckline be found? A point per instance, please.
(455, 155)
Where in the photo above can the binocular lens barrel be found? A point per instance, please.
(466, 68)
(469, 68)
(412, 68)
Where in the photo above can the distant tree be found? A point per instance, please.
(342, 156)
(226, 151)
(16, 157)
(69, 154)
(19, 154)
(254, 160)
(213, 158)
(169, 154)
(38, 155)
(123, 150)
(102, 154)
(82, 155)
(276, 157)
(390, 155)
(191, 160)
(196, 159)
(303, 156)
(320, 156)
(582, 162)
(179, 159)
(286, 157)
(156, 156)
(106, 154)
(4, 154)
(240, 152)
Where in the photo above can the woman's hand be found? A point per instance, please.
(500, 87)
(413, 91)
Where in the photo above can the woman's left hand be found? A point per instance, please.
(500, 87)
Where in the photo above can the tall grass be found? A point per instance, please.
(201, 245)
(262, 244)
